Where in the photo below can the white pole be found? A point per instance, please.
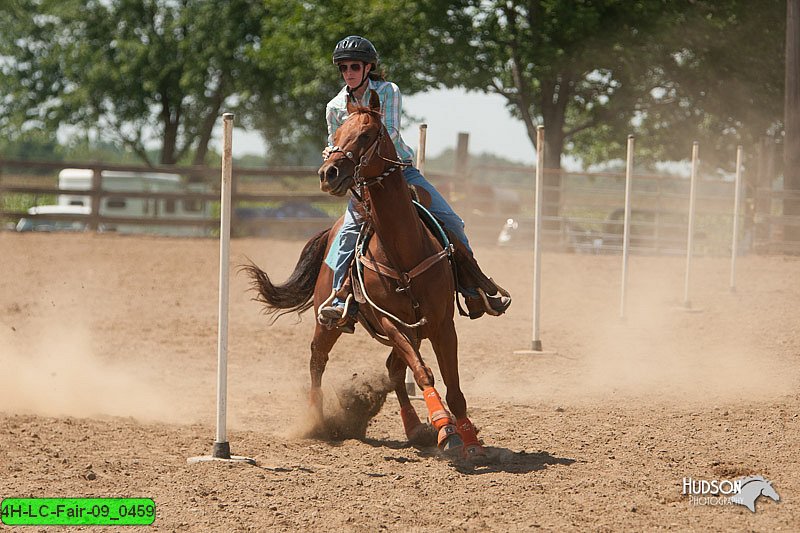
(736, 201)
(411, 384)
(690, 236)
(423, 135)
(536, 343)
(221, 445)
(626, 227)
(222, 448)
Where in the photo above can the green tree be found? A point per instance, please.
(296, 45)
(136, 72)
(594, 71)
(715, 76)
(568, 66)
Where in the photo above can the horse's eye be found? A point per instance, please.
(363, 138)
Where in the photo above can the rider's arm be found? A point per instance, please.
(332, 118)
(334, 121)
(392, 104)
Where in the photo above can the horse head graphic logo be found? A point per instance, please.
(752, 488)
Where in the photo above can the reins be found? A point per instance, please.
(360, 181)
(403, 278)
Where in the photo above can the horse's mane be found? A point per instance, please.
(366, 109)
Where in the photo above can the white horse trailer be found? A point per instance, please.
(120, 205)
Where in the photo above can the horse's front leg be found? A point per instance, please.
(445, 345)
(321, 346)
(416, 431)
(448, 438)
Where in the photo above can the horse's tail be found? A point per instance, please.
(295, 295)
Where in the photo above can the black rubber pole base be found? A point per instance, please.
(222, 450)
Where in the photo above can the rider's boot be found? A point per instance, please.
(342, 310)
(492, 298)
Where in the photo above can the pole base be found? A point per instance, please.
(221, 452)
(536, 349)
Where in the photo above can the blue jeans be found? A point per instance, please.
(344, 247)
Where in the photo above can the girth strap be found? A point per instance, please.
(384, 270)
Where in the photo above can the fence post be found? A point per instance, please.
(423, 136)
(461, 163)
(97, 189)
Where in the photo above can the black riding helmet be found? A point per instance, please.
(355, 48)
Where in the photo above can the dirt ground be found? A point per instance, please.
(108, 365)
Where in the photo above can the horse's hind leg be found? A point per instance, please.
(445, 345)
(321, 345)
(415, 430)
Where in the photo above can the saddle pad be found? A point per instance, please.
(430, 221)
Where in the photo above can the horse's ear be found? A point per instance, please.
(351, 107)
(374, 101)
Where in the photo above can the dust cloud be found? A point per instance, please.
(55, 373)
(348, 411)
(661, 352)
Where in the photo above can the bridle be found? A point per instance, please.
(362, 182)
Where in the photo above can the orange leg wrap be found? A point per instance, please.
(467, 431)
(410, 419)
(440, 417)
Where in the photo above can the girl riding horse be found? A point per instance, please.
(357, 61)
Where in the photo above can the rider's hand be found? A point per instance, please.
(326, 153)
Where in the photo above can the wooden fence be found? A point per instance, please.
(588, 205)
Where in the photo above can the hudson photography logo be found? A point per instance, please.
(743, 491)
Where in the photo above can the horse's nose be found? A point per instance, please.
(330, 173)
(327, 176)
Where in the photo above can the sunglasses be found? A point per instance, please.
(355, 67)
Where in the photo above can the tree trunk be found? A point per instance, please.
(171, 121)
(791, 149)
(555, 94)
(208, 127)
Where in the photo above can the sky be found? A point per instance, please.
(446, 112)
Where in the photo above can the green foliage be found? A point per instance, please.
(594, 71)
(715, 74)
(139, 74)
(296, 48)
(133, 71)
(32, 145)
(566, 65)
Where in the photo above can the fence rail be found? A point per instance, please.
(582, 218)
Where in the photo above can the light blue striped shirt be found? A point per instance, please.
(391, 102)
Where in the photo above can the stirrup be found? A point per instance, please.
(501, 292)
(321, 319)
(330, 316)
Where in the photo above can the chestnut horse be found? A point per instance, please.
(407, 280)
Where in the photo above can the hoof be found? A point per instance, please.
(474, 451)
(422, 435)
(450, 441)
